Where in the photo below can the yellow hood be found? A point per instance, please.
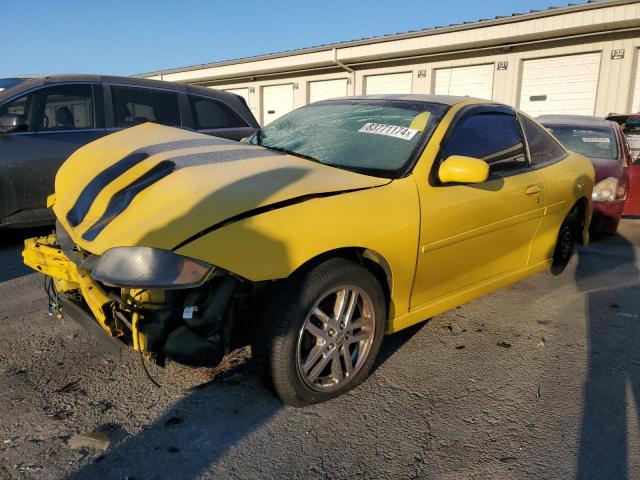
(158, 186)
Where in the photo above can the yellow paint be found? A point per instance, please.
(420, 121)
(443, 244)
(190, 199)
(139, 297)
(43, 255)
(460, 169)
(98, 301)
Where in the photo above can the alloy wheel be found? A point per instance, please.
(336, 338)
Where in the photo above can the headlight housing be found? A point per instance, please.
(608, 190)
(144, 267)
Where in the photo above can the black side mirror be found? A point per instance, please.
(636, 159)
(13, 123)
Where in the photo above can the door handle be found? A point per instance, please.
(533, 189)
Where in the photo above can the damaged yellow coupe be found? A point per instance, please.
(335, 224)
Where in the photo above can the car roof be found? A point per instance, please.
(35, 81)
(41, 80)
(581, 120)
(443, 99)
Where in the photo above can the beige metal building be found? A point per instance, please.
(580, 59)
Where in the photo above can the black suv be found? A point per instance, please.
(45, 119)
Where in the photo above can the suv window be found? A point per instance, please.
(495, 138)
(543, 148)
(62, 107)
(133, 105)
(66, 107)
(209, 113)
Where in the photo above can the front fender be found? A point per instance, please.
(272, 245)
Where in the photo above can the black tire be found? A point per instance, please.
(286, 310)
(565, 243)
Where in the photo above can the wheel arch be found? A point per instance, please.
(581, 229)
(370, 259)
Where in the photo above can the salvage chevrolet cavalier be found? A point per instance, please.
(335, 224)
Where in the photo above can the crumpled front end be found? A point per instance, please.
(191, 326)
(129, 204)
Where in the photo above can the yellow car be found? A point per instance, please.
(335, 224)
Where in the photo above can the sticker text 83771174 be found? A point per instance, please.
(395, 131)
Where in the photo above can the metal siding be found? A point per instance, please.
(276, 101)
(325, 89)
(388, 83)
(569, 82)
(617, 86)
(473, 81)
(520, 28)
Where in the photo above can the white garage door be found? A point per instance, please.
(276, 101)
(243, 92)
(635, 106)
(563, 85)
(474, 81)
(322, 90)
(389, 83)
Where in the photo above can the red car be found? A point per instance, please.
(630, 125)
(603, 142)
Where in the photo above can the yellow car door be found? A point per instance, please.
(473, 234)
(562, 184)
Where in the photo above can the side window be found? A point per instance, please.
(495, 138)
(543, 148)
(209, 113)
(133, 105)
(63, 107)
(19, 107)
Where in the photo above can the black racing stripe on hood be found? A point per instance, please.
(121, 200)
(266, 208)
(95, 186)
(207, 158)
(76, 214)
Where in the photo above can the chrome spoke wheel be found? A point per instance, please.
(336, 338)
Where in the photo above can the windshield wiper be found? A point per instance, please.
(291, 152)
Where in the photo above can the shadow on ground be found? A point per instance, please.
(11, 243)
(612, 387)
(203, 426)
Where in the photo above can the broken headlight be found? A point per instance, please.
(144, 267)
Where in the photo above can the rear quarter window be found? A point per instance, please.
(209, 113)
(543, 148)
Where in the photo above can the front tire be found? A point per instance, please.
(323, 330)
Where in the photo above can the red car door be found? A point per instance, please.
(632, 205)
(630, 125)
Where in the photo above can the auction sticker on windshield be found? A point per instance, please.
(395, 131)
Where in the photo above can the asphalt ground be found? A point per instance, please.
(538, 380)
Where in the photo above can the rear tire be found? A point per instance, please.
(565, 242)
(322, 330)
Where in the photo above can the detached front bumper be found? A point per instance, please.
(190, 326)
(45, 256)
(83, 299)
